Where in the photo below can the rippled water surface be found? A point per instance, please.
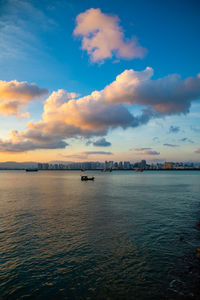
(115, 238)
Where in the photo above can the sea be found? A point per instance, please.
(125, 235)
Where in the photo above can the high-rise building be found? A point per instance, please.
(127, 165)
(121, 165)
(168, 165)
(115, 165)
(106, 165)
(143, 164)
(39, 166)
(110, 164)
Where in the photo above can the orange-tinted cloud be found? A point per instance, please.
(141, 149)
(19, 142)
(167, 95)
(103, 37)
(67, 115)
(14, 95)
(146, 151)
(198, 150)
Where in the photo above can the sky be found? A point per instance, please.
(99, 80)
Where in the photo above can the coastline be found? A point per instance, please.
(23, 169)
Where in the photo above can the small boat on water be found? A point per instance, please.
(86, 178)
(138, 170)
(31, 170)
(106, 170)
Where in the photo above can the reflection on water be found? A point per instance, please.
(116, 237)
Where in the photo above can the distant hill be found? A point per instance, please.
(17, 165)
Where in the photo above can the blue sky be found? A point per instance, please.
(37, 45)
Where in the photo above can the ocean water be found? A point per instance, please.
(115, 238)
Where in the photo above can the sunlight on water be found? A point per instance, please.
(116, 237)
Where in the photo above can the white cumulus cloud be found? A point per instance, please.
(102, 37)
(14, 95)
(67, 115)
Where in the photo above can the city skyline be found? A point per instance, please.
(95, 80)
(99, 165)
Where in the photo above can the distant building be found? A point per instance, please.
(39, 166)
(159, 166)
(43, 166)
(115, 165)
(106, 165)
(168, 165)
(120, 166)
(127, 165)
(143, 164)
(110, 164)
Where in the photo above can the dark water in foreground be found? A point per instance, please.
(114, 238)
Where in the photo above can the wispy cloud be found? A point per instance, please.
(197, 151)
(98, 152)
(174, 129)
(104, 38)
(149, 152)
(19, 23)
(171, 145)
(195, 129)
(101, 143)
(156, 139)
(141, 149)
(146, 151)
(186, 140)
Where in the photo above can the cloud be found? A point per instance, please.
(167, 95)
(102, 143)
(174, 129)
(14, 95)
(18, 142)
(98, 152)
(141, 149)
(171, 145)
(87, 116)
(155, 139)
(146, 151)
(67, 115)
(24, 146)
(195, 129)
(186, 140)
(197, 151)
(20, 21)
(149, 152)
(102, 37)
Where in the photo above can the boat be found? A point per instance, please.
(31, 170)
(138, 170)
(107, 170)
(86, 178)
